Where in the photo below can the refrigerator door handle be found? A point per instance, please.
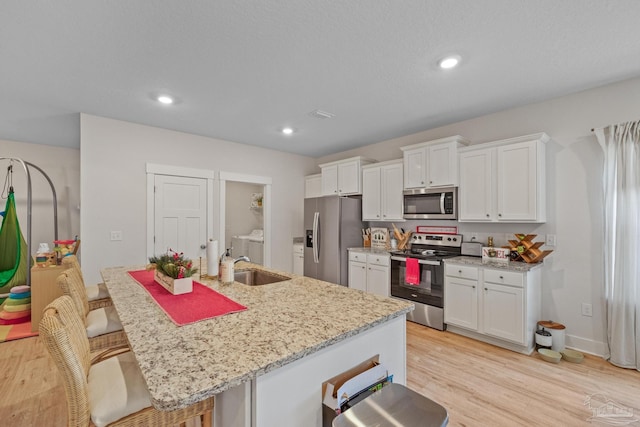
(316, 241)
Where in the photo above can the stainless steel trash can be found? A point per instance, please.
(394, 405)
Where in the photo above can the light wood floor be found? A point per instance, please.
(479, 384)
(483, 385)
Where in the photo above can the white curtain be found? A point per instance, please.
(621, 179)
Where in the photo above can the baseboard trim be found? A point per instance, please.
(584, 345)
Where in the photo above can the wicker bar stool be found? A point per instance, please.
(98, 294)
(102, 325)
(108, 390)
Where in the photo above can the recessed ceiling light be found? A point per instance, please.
(449, 62)
(165, 99)
(287, 130)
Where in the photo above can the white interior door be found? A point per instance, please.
(180, 220)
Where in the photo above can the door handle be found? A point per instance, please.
(316, 240)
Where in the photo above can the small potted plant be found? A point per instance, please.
(173, 272)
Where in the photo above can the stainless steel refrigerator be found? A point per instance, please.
(332, 225)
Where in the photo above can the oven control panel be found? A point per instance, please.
(454, 240)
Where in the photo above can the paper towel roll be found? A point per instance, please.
(212, 258)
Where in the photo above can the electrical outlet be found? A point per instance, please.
(474, 237)
(587, 309)
(551, 240)
(116, 236)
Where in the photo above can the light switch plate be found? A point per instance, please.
(116, 236)
(550, 240)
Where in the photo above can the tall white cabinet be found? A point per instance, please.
(382, 197)
(503, 181)
(496, 305)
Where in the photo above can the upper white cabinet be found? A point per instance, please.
(382, 198)
(343, 177)
(313, 186)
(503, 181)
(432, 163)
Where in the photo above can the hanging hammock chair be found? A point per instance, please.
(14, 256)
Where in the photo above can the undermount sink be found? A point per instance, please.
(255, 277)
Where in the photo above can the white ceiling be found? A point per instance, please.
(244, 69)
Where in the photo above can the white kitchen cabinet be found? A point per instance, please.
(313, 186)
(503, 311)
(499, 306)
(343, 177)
(298, 259)
(432, 163)
(370, 272)
(476, 193)
(461, 296)
(382, 197)
(503, 181)
(358, 271)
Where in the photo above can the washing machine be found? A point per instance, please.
(251, 245)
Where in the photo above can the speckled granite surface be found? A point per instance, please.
(513, 266)
(284, 322)
(370, 251)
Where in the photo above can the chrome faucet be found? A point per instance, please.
(228, 253)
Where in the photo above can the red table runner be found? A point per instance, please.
(201, 304)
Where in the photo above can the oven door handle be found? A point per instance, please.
(420, 261)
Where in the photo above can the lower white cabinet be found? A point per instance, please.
(370, 272)
(499, 306)
(298, 259)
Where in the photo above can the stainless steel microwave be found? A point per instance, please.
(431, 203)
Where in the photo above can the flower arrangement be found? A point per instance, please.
(173, 264)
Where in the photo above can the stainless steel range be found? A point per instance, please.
(428, 292)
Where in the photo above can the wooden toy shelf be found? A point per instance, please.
(531, 252)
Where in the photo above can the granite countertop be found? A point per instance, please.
(477, 261)
(370, 251)
(284, 322)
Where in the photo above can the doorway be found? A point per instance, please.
(245, 205)
(180, 212)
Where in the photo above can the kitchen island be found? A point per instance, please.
(265, 365)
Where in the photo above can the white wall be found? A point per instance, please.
(113, 188)
(240, 218)
(574, 272)
(62, 165)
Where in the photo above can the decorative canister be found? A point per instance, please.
(557, 333)
(544, 338)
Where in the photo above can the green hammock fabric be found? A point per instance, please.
(13, 249)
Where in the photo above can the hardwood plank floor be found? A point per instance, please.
(483, 385)
(479, 384)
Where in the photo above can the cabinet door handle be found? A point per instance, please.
(499, 214)
(430, 182)
(473, 287)
(421, 182)
(488, 215)
(460, 271)
(501, 278)
(486, 289)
